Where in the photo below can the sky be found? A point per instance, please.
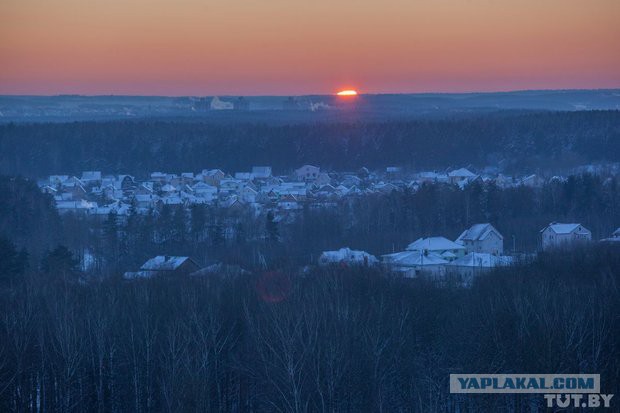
(291, 47)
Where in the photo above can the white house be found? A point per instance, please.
(558, 235)
(307, 173)
(347, 256)
(261, 172)
(473, 264)
(437, 245)
(482, 238)
(411, 264)
(461, 175)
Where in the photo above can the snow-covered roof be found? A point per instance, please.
(347, 255)
(477, 232)
(448, 255)
(168, 188)
(560, 228)
(434, 244)
(163, 263)
(462, 173)
(478, 259)
(261, 171)
(413, 259)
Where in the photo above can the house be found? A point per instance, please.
(482, 238)
(288, 202)
(213, 176)
(243, 176)
(411, 264)
(165, 265)
(146, 201)
(261, 172)
(615, 237)
(322, 179)
(532, 181)
(81, 206)
(474, 263)
(558, 235)
(205, 191)
(438, 246)
(350, 180)
(348, 257)
(57, 180)
(307, 173)
(159, 177)
(91, 177)
(187, 178)
(460, 175)
(248, 194)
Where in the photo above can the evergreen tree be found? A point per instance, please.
(60, 262)
(271, 226)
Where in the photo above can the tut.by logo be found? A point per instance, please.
(559, 390)
(578, 400)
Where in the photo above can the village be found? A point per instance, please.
(477, 250)
(96, 194)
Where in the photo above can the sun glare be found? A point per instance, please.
(348, 92)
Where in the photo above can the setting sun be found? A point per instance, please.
(348, 92)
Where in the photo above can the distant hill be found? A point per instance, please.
(298, 109)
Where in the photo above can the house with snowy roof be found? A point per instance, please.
(482, 238)
(213, 176)
(461, 175)
(561, 235)
(615, 237)
(261, 172)
(348, 257)
(411, 264)
(164, 265)
(440, 246)
(307, 173)
(475, 263)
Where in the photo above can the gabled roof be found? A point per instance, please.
(413, 258)
(434, 244)
(462, 173)
(164, 263)
(477, 232)
(288, 198)
(560, 228)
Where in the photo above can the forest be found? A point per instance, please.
(284, 335)
(521, 142)
(333, 340)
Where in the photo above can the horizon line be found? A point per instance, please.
(617, 88)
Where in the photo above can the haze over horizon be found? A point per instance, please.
(278, 47)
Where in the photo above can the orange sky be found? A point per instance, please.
(251, 47)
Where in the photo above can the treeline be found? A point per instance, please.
(28, 217)
(334, 340)
(521, 142)
(395, 220)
